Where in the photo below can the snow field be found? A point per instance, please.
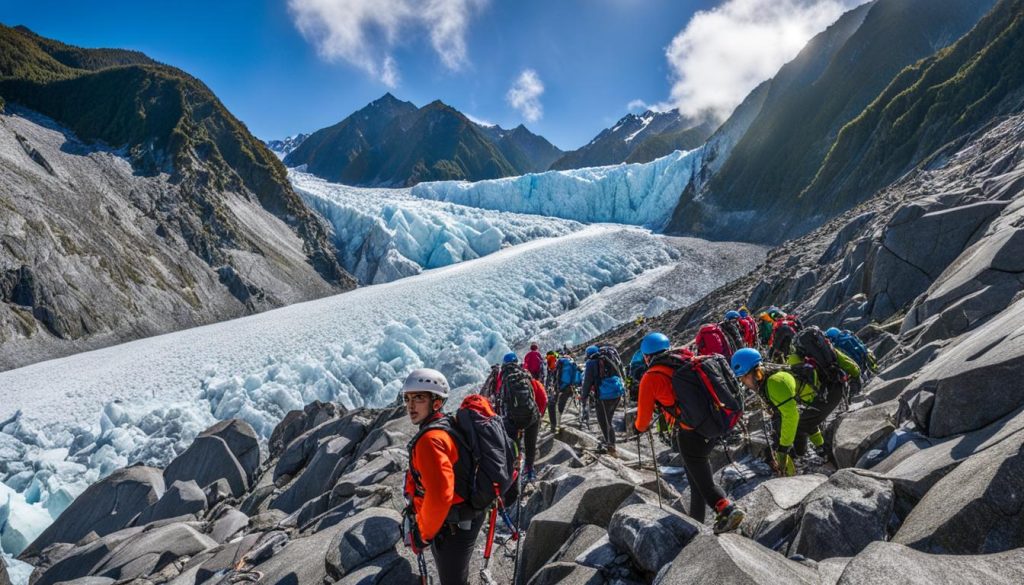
(633, 194)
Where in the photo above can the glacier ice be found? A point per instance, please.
(636, 194)
(387, 234)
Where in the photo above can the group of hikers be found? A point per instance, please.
(469, 467)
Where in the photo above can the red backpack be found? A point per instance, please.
(749, 328)
(709, 398)
(711, 340)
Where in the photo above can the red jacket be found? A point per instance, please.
(533, 362)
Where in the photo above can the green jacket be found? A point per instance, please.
(764, 331)
(787, 394)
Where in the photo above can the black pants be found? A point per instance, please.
(527, 441)
(453, 549)
(556, 404)
(815, 414)
(605, 412)
(695, 450)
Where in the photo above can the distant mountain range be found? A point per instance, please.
(638, 138)
(393, 143)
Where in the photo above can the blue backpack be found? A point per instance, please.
(567, 371)
(848, 343)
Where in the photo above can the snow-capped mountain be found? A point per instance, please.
(283, 148)
(638, 138)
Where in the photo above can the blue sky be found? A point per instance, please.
(592, 57)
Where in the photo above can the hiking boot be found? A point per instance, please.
(728, 519)
(611, 450)
(529, 474)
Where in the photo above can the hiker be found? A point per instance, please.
(533, 362)
(764, 328)
(551, 362)
(733, 329)
(565, 374)
(847, 342)
(749, 327)
(438, 518)
(656, 388)
(637, 367)
(780, 390)
(523, 399)
(784, 330)
(602, 378)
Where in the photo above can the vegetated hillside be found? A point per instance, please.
(782, 151)
(393, 143)
(638, 138)
(208, 189)
(929, 110)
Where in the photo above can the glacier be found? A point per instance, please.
(642, 194)
(66, 423)
(386, 234)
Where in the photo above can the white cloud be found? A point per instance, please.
(524, 95)
(723, 53)
(637, 105)
(363, 32)
(480, 121)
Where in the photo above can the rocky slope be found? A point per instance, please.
(391, 143)
(638, 138)
(135, 204)
(832, 82)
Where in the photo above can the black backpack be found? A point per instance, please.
(782, 338)
(609, 363)
(813, 346)
(709, 400)
(518, 403)
(733, 334)
(487, 456)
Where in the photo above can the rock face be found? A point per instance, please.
(881, 561)
(207, 460)
(651, 536)
(732, 560)
(181, 498)
(105, 507)
(843, 515)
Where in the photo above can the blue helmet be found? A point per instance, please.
(592, 350)
(745, 360)
(510, 357)
(744, 313)
(653, 343)
(832, 332)
(729, 315)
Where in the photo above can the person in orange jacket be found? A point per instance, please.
(437, 520)
(656, 387)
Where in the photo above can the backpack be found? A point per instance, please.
(711, 340)
(609, 373)
(848, 343)
(733, 334)
(709, 400)
(782, 336)
(565, 371)
(812, 345)
(487, 456)
(520, 406)
(749, 327)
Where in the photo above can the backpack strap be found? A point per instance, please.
(443, 422)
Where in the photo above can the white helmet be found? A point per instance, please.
(426, 380)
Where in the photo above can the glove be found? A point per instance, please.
(784, 461)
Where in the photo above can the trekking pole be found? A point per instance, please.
(657, 474)
(485, 576)
(639, 462)
(519, 514)
(424, 573)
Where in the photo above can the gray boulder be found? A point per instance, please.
(363, 499)
(772, 508)
(843, 515)
(362, 538)
(975, 371)
(567, 574)
(151, 550)
(377, 470)
(181, 498)
(975, 509)
(650, 535)
(297, 422)
(301, 561)
(242, 441)
(730, 559)
(859, 430)
(207, 460)
(591, 502)
(601, 553)
(228, 524)
(301, 449)
(383, 570)
(881, 562)
(79, 561)
(106, 506)
(318, 477)
(218, 560)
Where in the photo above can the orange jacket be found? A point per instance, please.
(552, 362)
(655, 386)
(433, 458)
